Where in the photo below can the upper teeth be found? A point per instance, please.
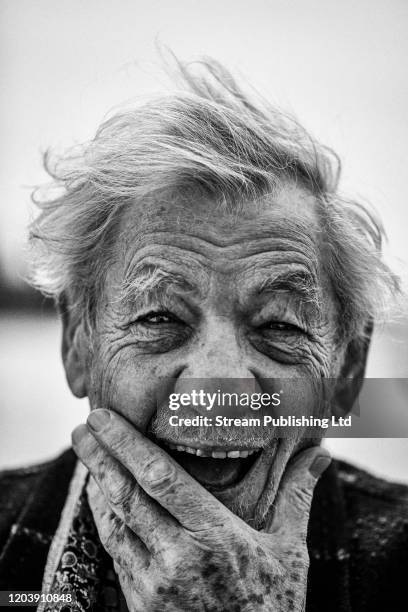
(216, 454)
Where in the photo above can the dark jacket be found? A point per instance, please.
(358, 535)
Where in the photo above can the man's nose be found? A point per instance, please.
(218, 354)
(218, 364)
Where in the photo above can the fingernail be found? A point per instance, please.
(98, 419)
(319, 465)
(79, 432)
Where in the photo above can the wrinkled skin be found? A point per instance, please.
(175, 547)
(217, 322)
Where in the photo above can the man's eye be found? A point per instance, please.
(157, 318)
(158, 331)
(282, 327)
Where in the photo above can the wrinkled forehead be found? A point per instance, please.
(196, 236)
(290, 214)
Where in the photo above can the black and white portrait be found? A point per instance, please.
(203, 306)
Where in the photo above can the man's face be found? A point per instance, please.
(215, 295)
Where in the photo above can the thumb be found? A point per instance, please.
(295, 494)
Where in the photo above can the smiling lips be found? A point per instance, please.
(205, 465)
(215, 454)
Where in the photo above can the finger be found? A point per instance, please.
(157, 473)
(295, 495)
(125, 497)
(118, 540)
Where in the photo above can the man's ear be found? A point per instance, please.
(352, 373)
(74, 349)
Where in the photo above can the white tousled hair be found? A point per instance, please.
(209, 137)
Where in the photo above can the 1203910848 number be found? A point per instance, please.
(12, 598)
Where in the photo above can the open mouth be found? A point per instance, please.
(215, 468)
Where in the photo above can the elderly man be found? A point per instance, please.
(201, 237)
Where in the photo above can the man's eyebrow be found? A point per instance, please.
(148, 281)
(299, 282)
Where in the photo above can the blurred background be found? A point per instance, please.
(340, 67)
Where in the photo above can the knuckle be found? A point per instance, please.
(92, 451)
(173, 556)
(159, 475)
(118, 440)
(300, 498)
(171, 559)
(120, 491)
(101, 467)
